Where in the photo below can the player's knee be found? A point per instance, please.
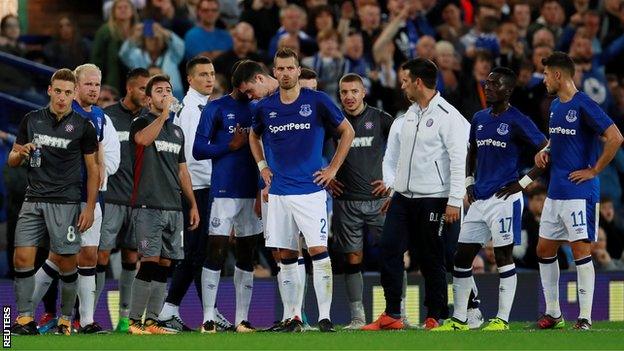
(352, 268)
(316, 250)
(217, 252)
(354, 258)
(289, 255)
(129, 256)
(276, 255)
(147, 271)
(503, 255)
(103, 257)
(546, 249)
(465, 254)
(88, 256)
(23, 257)
(581, 249)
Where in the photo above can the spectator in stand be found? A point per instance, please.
(264, 17)
(108, 96)
(108, 40)
(291, 42)
(320, 18)
(230, 12)
(174, 18)
(486, 20)
(602, 259)
(471, 93)
(448, 66)
(543, 37)
(68, 49)
(521, 16)
(354, 55)
(369, 15)
(611, 222)
(610, 184)
(551, 17)
(244, 48)
(511, 48)
(293, 19)
(9, 36)
(453, 28)
(329, 63)
(156, 46)
(528, 99)
(205, 39)
(407, 24)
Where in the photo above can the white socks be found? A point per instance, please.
(586, 277)
(210, 286)
(506, 290)
(86, 294)
(549, 275)
(290, 283)
(168, 311)
(462, 286)
(243, 283)
(323, 283)
(43, 278)
(302, 280)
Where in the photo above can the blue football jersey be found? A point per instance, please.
(500, 140)
(293, 136)
(575, 128)
(234, 173)
(96, 116)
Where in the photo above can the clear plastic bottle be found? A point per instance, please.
(35, 156)
(175, 106)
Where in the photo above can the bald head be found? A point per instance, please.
(244, 40)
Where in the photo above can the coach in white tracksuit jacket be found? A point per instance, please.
(424, 164)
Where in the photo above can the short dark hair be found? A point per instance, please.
(544, 2)
(605, 199)
(509, 76)
(560, 60)
(155, 79)
(286, 53)
(197, 60)
(246, 71)
(350, 78)
(538, 189)
(136, 73)
(424, 69)
(307, 73)
(63, 74)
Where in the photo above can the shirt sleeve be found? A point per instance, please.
(472, 136)
(593, 115)
(386, 123)
(529, 132)
(136, 126)
(22, 132)
(204, 147)
(391, 156)
(454, 136)
(330, 113)
(256, 120)
(112, 147)
(88, 142)
(181, 155)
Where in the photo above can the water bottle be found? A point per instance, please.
(175, 106)
(35, 156)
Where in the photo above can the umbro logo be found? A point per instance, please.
(272, 114)
(480, 127)
(230, 116)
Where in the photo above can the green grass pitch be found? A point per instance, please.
(604, 336)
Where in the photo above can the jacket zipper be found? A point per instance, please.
(409, 169)
(438, 169)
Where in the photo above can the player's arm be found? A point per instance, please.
(255, 144)
(89, 148)
(205, 146)
(21, 147)
(612, 142)
(187, 190)
(147, 135)
(346, 134)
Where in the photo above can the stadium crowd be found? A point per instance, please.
(371, 38)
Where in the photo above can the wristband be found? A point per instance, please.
(525, 181)
(262, 165)
(470, 181)
(546, 149)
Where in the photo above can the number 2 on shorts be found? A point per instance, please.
(323, 226)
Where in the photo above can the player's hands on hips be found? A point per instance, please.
(266, 175)
(582, 175)
(324, 176)
(508, 190)
(452, 214)
(470, 194)
(85, 220)
(265, 194)
(380, 188)
(240, 139)
(385, 206)
(335, 187)
(193, 218)
(541, 159)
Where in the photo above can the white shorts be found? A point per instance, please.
(570, 220)
(239, 214)
(493, 218)
(92, 236)
(290, 214)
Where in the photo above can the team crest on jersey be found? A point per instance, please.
(368, 125)
(69, 127)
(305, 110)
(429, 122)
(503, 129)
(571, 116)
(272, 114)
(215, 222)
(177, 133)
(230, 116)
